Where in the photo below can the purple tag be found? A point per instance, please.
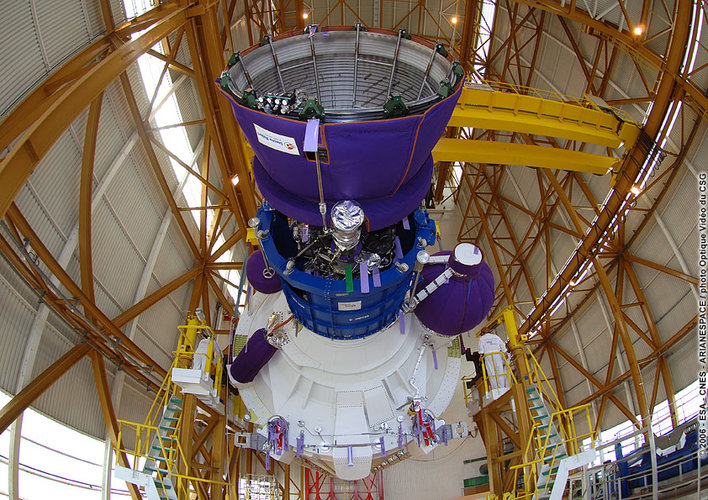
(399, 251)
(364, 276)
(312, 135)
(435, 359)
(376, 276)
(305, 234)
(402, 322)
(383, 446)
(300, 444)
(406, 224)
(350, 456)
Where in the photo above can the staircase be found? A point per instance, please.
(549, 445)
(155, 475)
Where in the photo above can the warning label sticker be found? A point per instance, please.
(276, 141)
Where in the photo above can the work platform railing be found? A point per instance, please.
(552, 440)
(154, 448)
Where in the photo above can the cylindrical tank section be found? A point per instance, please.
(344, 293)
(463, 301)
(382, 100)
(252, 357)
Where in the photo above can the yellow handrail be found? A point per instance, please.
(508, 374)
(538, 376)
(554, 96)
(169, 455)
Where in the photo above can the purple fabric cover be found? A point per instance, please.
(367, 160)
(252, 358)
(459, 305)
(254, 272)
(380, 212)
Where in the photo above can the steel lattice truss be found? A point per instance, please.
(553, 257)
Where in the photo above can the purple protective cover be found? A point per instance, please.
(380, 212)
(252, 358)
(367, 160)
(254, 272)
(459, 305)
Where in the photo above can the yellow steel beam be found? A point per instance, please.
(508, 153)
(496, 110)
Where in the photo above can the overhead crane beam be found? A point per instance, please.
(509, 153)
(528, 114)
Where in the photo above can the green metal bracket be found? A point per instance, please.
(312, 109)
(265, 40)
(233, 59)
(249, 99)
(394, 107)
(445, 89)
(440, 49)
(458, 71)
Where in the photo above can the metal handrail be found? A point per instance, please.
(553, 95)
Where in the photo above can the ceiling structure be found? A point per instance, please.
(105, 242)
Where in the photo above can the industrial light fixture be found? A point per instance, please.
(305, 15)
(638, 30)
(453, 20)
(234, 179)
(635, 190)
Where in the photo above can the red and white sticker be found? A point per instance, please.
(276, 141)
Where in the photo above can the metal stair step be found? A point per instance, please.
(175, 409)
(161, 471)
(535, 408)
(550, 471)
(539, 417)
(158, 448)
(171, 419)
(161, 485)
(550, 458)
(157, 459)
(176, 400)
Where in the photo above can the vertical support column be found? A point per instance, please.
(218, 448)
(492, 444)
(286, 482)
(189, 406)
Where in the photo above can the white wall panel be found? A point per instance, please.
(20, 57)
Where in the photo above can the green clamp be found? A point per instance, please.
(265, 40)
(440, 49)
(395, 107)
(445, 89)
(249, 99)
(225, 82)
(458, 71)
(404, 34)
(311, 109)
(233, 59)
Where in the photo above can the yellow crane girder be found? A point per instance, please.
(484, 108)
